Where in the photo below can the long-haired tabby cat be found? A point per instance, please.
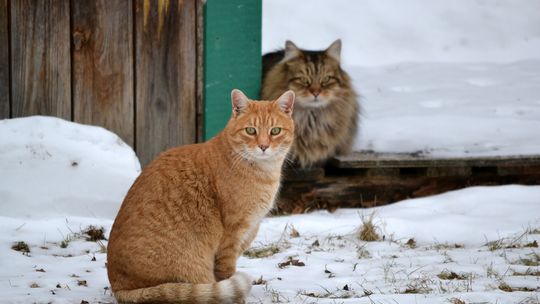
(326, 111)
(196, 208)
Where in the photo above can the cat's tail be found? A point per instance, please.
(231, 291)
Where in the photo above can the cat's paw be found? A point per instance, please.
(223, 274)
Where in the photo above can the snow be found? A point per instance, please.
(51, 167)
(57, 178)
(438, 78)
(377, 33)
(462, 79)
(469, 218)
(450, 109)
(480, 234)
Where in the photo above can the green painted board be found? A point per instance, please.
(232, 57)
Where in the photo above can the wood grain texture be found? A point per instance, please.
(103, 65)
(4, 60)
(404, 160)
(40, 58)
(166, 57)
(200, 69)
(308, 190)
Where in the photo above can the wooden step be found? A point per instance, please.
(371, 179)
(403, 160)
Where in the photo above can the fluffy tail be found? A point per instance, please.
(231, 291)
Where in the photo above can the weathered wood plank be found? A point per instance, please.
(200, 69)
(365, 190)
(376, 160)
(166, 76)
(4, 60)
(103, 65)
(40, 58)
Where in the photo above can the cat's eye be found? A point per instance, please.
(275, 131)
(327, 79)
(301, 81)
(251, 130)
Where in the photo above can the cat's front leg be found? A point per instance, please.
(248, 238)
(225, 261)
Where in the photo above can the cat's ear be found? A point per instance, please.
(334, 50)
(239, 102)
(286, 102)
(291, 51)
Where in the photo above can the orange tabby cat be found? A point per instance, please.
(194, 210)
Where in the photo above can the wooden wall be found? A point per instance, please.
(132, 67)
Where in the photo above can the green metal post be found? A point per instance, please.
(232, 57)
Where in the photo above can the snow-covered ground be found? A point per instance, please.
(478, 245)
(444, 78)
(450, 109)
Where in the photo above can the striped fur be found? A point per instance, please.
(326, 109)
(195, 209)
(230, 291)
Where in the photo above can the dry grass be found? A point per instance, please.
(94, 234)
(528, 272)
(533, 231)
(507, 288)
(262, 251)
(420, 285)
(291, 262)
(344, 293)
(532, 259)
(368, 231)
(294, 233)
(21, 247)
(259, 281)
(456, 301)
(363, 253)
(446, 246)
(411, 243)
(450, 275)
(533, 244)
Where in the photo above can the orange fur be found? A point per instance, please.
(195, 209)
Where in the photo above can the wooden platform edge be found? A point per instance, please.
(376, 160)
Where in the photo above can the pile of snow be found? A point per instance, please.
(57, 178)
(52, 167)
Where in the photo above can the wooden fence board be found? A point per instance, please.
(103, 65)
(166, 52)
(200, 69)
(4, 60)
(40, 58)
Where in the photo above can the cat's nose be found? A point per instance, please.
(315, 92)
(263, 147)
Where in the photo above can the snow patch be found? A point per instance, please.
(50, 167)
